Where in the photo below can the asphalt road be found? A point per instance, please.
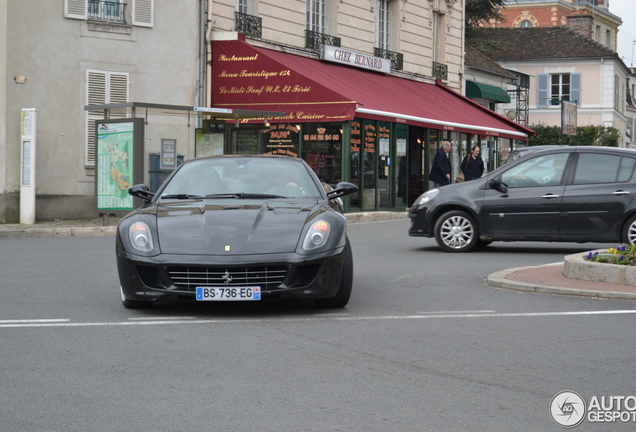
(424, 345)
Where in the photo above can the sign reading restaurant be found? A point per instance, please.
(343, 56)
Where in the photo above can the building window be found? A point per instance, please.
(617, 95)
(439, 37)
(248, 7)
(525, 24)
(553, 88)
(316, 15)
(598, 34)
(241, 6)
(608, 38)
(112, 11)
(383, 24)
(103, 87)
(560, 87)
(138, 12)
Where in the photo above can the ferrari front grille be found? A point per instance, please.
(188, 278)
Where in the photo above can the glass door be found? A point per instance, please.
(401, 168)
(385, 188)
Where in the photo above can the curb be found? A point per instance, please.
(498, 280)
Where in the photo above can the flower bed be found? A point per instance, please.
(622, 255)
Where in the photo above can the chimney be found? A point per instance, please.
(582, 24)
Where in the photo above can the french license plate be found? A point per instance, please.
(228, 293)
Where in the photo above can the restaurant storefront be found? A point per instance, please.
(349, 124)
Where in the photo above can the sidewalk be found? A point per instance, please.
(545, 279)
(61, 228)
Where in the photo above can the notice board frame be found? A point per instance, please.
(119, 164)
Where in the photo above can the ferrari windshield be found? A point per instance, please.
(241, 178)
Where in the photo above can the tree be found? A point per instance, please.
(483, 10)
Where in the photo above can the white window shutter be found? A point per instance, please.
(575, 88)
(103, 88)
(75, 9)
(95, 95)
(542, 90)
(143, 12)
(252, 7)
(118, 93)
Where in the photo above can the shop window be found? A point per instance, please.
(322, 150)
(401, 163)
(384, 165)
(281, 139)
(245, 140)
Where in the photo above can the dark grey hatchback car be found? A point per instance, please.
(573, 194)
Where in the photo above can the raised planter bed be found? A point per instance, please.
(577, 267)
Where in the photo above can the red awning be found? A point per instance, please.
(249, 77)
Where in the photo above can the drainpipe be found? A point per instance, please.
(200, 97)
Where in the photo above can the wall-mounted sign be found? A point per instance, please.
(568, 118)
(168, 153)
(352, 58)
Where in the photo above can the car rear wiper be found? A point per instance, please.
(181, 196)
(243, 195)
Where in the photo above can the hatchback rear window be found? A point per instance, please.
(601, 168)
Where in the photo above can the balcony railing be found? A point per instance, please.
(249, 25)
(440, 71)
(397, 59)
(315, 41)
(107, 11)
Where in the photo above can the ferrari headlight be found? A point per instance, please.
(426, 197)
(317, 235)
(140, 237)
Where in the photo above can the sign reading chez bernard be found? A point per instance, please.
(352, 58)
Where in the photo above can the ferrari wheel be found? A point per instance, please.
(341, 298)
(456, 231)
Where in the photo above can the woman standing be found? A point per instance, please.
(472, 165)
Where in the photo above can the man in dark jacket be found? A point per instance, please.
(441, 170)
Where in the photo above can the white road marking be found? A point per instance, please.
(188, 320)
(161, 318)
(33, 321)
(456, 312)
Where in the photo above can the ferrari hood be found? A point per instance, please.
(232, 228)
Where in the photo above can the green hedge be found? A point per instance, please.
(585, 135)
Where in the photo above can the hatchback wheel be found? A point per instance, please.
(629, 231)
(456, 231)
